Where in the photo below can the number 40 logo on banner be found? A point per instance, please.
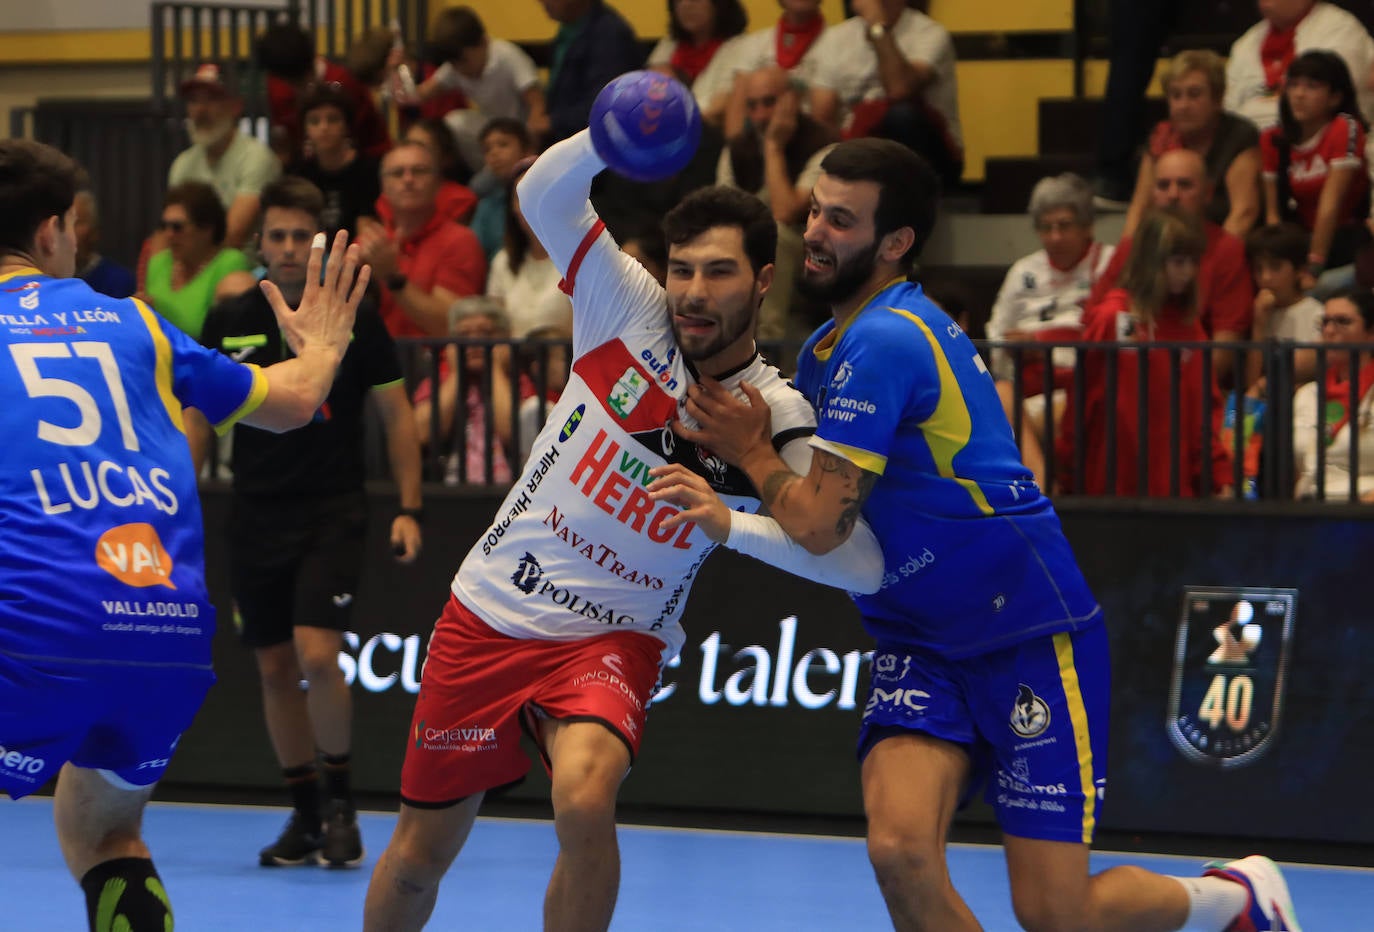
(1230, 667)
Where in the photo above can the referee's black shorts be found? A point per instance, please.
(295, 561)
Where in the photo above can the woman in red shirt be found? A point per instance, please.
(1314, 160)
(1157, 302)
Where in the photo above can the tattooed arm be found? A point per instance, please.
(817, 510)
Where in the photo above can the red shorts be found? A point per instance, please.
(479, 688)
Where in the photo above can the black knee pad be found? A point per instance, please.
(126, 894)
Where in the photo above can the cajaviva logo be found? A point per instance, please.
(133, 554)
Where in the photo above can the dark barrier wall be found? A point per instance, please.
(761, 710)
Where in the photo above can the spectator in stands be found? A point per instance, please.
(593, 45)
(1314, 161)
(505, 142)
(237, 166)
(437, 136)
(1323, 431)
(1194, 84)
(1225, 291)
(786, 44)
(380, 60)
(543, 362)
(424, 259)
(1259, 59)
(189, 276)
(1042, 298)
(287, 53)
(523, 276)
(100, 272)
(1158, 301)
(496, 76)
(1278, 256)
(699, 49)
(889, 71)
(347, 178)
(474, 320)
(777, 156)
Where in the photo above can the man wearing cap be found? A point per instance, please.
(237, 166)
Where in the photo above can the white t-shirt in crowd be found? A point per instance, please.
(1037, 296)
(497, 91)
(1298, 323)
(847, 64)
(531, 296)
(759, 49)
(1327, 26)
(1336, 480)
(716, 78)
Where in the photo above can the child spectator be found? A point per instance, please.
(1278, 256)
(287, 53)
(348, 179)
(505, 142)
(378, 58)
(1157, 302)
(700, 50)
(437, 137)
(1314, 160)
(497, 78)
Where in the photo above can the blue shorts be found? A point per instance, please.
(123, 718)
(1033, 718)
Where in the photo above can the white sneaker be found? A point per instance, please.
(1270, 909)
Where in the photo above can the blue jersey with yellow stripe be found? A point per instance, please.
(100, 522)
(974, 555)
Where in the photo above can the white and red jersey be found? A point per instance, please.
(578, 547)
(1340, 145)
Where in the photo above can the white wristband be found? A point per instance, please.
(855, 566)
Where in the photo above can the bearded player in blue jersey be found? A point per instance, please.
(991, 662)
(105, 623)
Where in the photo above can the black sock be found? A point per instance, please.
(126, 893)
(338, 777)
(304, 783)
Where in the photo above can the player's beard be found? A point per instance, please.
(848, 277)
(729, 328)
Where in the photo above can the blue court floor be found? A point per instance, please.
(672, 879)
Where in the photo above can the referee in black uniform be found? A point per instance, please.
(298, 532)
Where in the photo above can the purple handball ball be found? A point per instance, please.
(645, 125)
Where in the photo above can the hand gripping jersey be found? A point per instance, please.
(975, 557)
(101, 526)
(578, 548)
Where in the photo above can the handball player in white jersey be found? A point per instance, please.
(564, 611)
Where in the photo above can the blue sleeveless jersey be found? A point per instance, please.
(100, 523)
(974, 555)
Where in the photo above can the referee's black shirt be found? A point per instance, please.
(324, 457)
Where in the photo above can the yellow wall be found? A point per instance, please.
(997, 99)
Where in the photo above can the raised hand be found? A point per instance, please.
(324, 320)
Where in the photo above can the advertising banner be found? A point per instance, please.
(1239, 689)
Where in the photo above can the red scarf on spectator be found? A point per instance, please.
(1277, 52)
(691, 60)
(793, 41)
(1338, 393)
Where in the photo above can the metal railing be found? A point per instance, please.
(1268, 472)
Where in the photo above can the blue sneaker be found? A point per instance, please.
(1270, 909)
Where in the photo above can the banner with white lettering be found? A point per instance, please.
(760, 711)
